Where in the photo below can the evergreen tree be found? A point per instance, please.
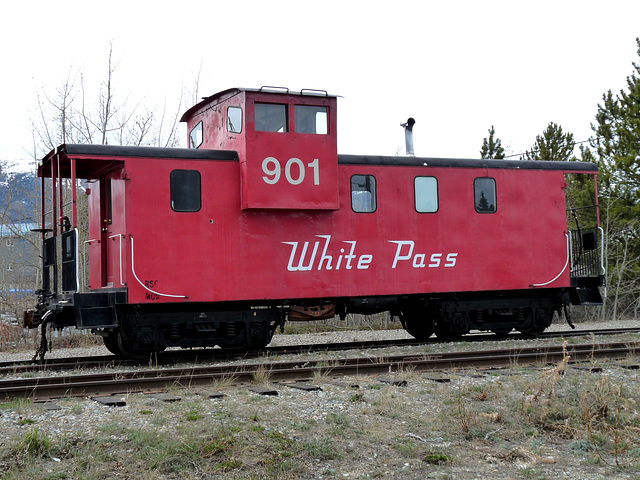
(492, 147)
(617, 152)
(483, 204)
(553, 144)
(581, 195)
(617, 145)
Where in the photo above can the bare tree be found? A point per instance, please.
(70, 113)
(621, 263)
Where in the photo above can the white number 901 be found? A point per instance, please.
(273, 170)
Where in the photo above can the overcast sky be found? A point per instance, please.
(457, 67)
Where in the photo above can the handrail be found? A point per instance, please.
(274, 89)
(77, 235)
(112, 237)
(314, 92)
(84, 260)
(563, 269)
(602, 267)
(133, 270)
(603, 270)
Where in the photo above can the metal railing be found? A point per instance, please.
(586, 252)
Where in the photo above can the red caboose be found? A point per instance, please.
(261, 220)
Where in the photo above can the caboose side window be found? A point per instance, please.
(186, 195)
(271, 117)
(234, 120)
(485, 195)
(363, 193)
(311, 119)
(195, 136)
(426, 194)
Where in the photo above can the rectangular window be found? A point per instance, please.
(195, 136)
(485, 195)
(186, 193)
(426, 194)
(271, 118)
(234, 120)
(363, 193)
(310, 119)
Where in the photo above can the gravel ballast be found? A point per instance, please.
(511, 423)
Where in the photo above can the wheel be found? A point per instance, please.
(420, 329)
(542, 320)
(120, 346)
(445, 333)
(417, 322)
(444, 329)
(533, 332)
(111, 342)
(502, 332)
(126, 348)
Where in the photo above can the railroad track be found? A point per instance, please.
(199, 355)
(158, 380)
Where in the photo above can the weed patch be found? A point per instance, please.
(35, 443)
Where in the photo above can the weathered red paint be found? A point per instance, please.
(224, 253)
(255, 238)
(308, 160)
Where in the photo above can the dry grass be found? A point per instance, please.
(262, 376)
(576, 425)
(14, 338)
(519, 422)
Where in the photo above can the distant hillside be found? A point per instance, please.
(18, 166)
(19, 196)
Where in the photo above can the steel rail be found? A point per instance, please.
(167, 358)
(158, 380)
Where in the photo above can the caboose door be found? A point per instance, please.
(113, 235)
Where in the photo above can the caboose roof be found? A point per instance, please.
(91, 158)
(576, 166)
